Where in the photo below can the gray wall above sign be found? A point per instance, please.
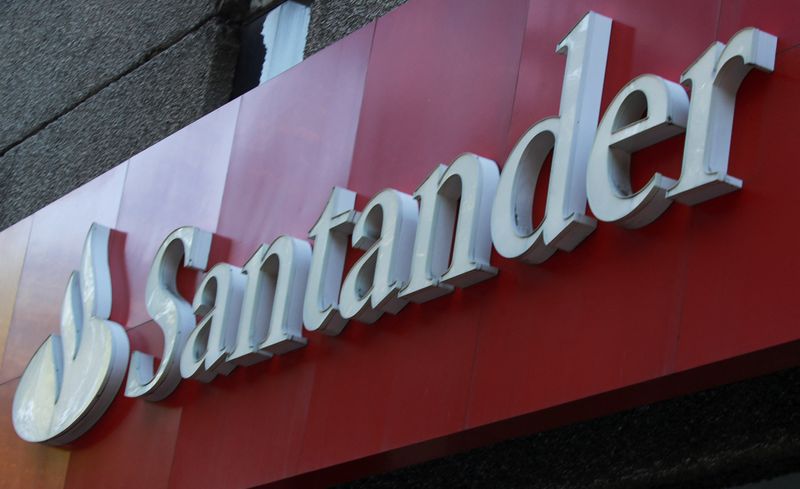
(86, 84)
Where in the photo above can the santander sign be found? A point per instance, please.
(416, 247)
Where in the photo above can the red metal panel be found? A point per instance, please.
(54, 250)
(778, 17)
(639, 45)
(177, 182)
(244, 429)
(294, 142)
(26, 465)
(13, 244)
(132, 446)
(440, 83)
(740, 293)
(384, 386)
(607, 314)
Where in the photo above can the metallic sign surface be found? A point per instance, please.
(71, 380)
(416, 247)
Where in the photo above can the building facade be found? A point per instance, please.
(653, 358)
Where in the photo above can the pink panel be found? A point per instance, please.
(177, 182)
(602, 317)
(778, 17)
(402, 380)
(607, 314)
(638, 46)
(245, 429)
(741, 288)
(13, 244)
(133, 443)
(440, 83)
(294, 143)
(56, 242)
(26, 465)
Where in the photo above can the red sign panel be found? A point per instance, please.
(702, 296)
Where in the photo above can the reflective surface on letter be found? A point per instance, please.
(715, 79)
(57, 235)
(72, 378)
(465, 189)
(218, 301)
(331, 235)
(271, 321)
(385, 230)
(570, 136)
(646, 111)
(173, 314)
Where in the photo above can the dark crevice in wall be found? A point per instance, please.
(251, 57)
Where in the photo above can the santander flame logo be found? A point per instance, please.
(72, 378)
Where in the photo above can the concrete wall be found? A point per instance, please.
(57, 54)
(86, 84)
